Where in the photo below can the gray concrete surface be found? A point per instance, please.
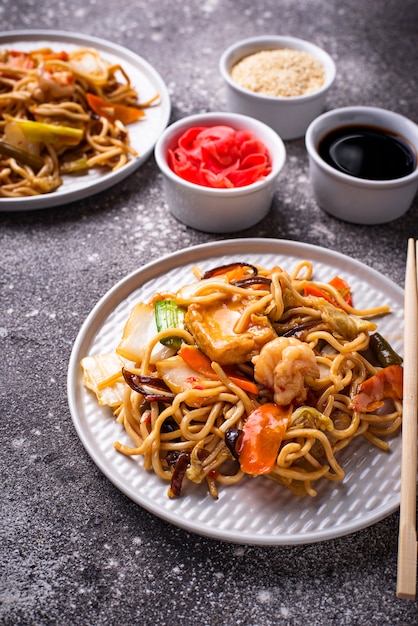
(74, 549)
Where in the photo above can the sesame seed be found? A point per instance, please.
(282, 73)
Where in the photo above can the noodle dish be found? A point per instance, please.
(250, 372)
(63, 113)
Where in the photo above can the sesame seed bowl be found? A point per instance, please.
(281, 81)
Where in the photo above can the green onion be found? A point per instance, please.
(169, 315)
(49, 133)
(77, 165)
(22, 156)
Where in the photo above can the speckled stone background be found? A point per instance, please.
(74, 549)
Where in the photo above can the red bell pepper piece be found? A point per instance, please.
(387, 383)
(338, 283)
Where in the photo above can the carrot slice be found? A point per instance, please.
(58, 56)
(262, 436)
(112, 111)
(196, 359)
(240, 380)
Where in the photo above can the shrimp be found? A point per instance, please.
(54, 85)
(282, 366)
(16, 60)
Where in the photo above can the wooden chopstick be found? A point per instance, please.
(407, 546)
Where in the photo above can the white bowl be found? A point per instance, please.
(216, 210)
(288, 116)
(353, 199)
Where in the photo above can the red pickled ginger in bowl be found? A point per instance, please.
(220, 157)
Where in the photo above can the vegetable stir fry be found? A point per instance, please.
(250, 371)
(62, 113)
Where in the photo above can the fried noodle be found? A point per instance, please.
(185, 435)
(52, 88)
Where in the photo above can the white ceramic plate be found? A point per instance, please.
(257, 511)
(143, 134)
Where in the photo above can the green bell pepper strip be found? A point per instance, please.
(21, 156)
(383, 351)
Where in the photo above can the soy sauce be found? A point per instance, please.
(368, 152)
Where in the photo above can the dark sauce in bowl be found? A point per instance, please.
(368, 152)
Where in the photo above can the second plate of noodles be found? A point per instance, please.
(234, 377)
(78, 114)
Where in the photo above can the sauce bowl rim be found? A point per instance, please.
(312, 142)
